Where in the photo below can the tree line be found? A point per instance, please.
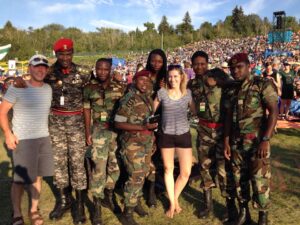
(26, 42)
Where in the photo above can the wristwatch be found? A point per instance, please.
(265, 138)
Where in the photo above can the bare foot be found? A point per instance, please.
(178, 209)
(170, 212)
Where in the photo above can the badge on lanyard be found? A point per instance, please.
(62, 100)
(241, 102)
(202, 107)
(103, 116)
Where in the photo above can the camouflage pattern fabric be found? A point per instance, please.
(68, 143)
(67, 132)
(249, 109)
(249, 119)
(68, 85)
(214, 167)
(209, 102)
(136, 148)
(102, 102)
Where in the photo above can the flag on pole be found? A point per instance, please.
(4, 50)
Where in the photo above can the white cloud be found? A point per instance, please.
(253, 6)
(110, 24)
(146, 3)
(81, 5)
(177, 9)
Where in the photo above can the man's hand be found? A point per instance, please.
(88, 139)
(19, 83)
(263, 149)
(11, 141)
(151, 126)
(227, 151)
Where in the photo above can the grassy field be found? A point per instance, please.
(285, 196)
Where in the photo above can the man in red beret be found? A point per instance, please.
(249, 130)
(66, 126)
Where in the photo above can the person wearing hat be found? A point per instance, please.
(207, 94)
(101, 96)
(225, 67)
(29, 138)
(136, 139)
(287, 95)
(67, 80)
(247, 137)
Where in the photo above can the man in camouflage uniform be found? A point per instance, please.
(136, 142)
(100, 98)
(209, 101)
(66, 127)
(250, 130)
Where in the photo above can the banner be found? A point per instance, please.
(280, 36)
(4, 50)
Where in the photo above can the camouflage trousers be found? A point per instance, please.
(213, 166)
(68, 143)
(136, 154)
(248, 168)
(152, 170)
(106, 169)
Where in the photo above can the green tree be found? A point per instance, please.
(149, 26)
(238, 20)
(292, 23)
(164, 27)
(186, 25)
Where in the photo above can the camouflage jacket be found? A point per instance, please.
(209, 101)
(134, 108)
(249, 104)
(102, 101)
(70, 86)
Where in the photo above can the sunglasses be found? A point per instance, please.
(174, 66)
(40, 60)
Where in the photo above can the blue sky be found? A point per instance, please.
(129, 14)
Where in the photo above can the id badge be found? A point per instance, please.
(62, 100)
(241, 102)
(103, 117)
(202, 107)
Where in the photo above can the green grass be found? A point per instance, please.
(285, 194)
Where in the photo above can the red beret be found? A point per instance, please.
(237, 58)
(141, 73)
(63, 44)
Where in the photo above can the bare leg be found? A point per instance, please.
(288, 104)
(283, 102)
(168, 159)
(185, 163)
(16, 194)
(35, 190)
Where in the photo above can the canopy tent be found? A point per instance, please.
(4, 50)
(118, 62)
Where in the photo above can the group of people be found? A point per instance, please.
(237, 114)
